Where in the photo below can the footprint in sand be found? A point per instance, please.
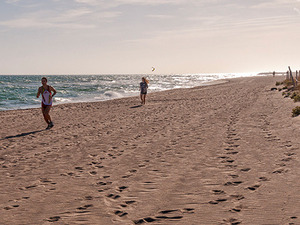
(245, 169)
(233, 175)
(173, 214)
(236, 209)
(122, 188)
(29, 187)
(93, 172)
(279, 171)
(99, 166)
(113, 196)
(287, 159)
(231, 166)
(215, 202)
(120, 213)
(53, 219)
(131, 173)
(141, 221)
(88, 198)
(11, 207)
(254, 187)
(234, 183)
(232, 221)
(80, 169)
(290, 153)
(168, 211)
(263, 179)
(95, 164)
(83, 209)
(169, 217)
(102, 190)
(218, 192)
(45, 180)
(234, 146)
(188, 210)
(281, 164)
(232, 153)
(70, 174)
(129, 202)
(237, 197)
(223, 157)
(104, 183)
(230, 160)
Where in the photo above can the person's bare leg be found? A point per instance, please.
(144, 99)
(46, 114)
(141, 96)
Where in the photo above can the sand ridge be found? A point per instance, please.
(222, 154)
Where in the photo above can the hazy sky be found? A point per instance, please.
(131, 36)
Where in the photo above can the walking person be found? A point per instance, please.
(143, 89)
(47, 96)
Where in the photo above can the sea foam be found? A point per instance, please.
(19, 92)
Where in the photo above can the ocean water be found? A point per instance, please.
(19, 91)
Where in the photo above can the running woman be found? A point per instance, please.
(143, 89)
(47, 96)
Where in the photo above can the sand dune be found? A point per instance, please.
(222, 154)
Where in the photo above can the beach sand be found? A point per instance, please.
(221, 154)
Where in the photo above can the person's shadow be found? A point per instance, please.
(22, 134)
(136, 106)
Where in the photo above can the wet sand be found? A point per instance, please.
(221, 154)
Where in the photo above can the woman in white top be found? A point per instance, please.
(47, 96)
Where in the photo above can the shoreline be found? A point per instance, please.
(220, 154)
(210, 83)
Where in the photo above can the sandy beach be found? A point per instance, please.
(220, 154)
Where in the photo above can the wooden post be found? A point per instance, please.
(292, 78)
(287, 75)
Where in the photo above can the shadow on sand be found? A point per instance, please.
(23, 134)
(136, 106)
